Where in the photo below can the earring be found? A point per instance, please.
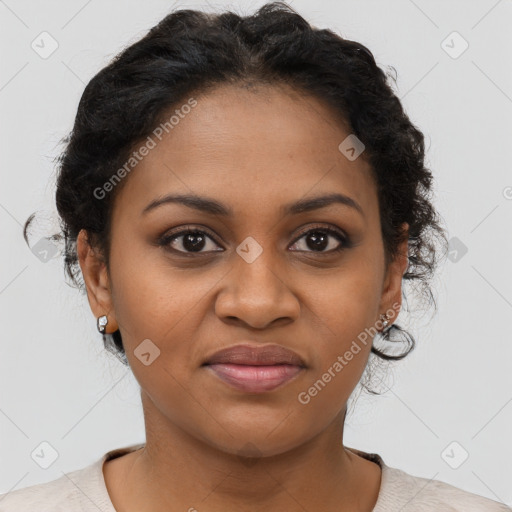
(102, 323)
(385, 321)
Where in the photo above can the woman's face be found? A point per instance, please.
(251, 276)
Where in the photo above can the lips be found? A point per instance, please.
(256, 356)
(255, 369)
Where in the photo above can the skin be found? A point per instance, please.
(254, 150)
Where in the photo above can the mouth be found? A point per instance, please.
(255, 369)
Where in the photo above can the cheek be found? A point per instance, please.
(344, 303)
(161, 312)
(339, 314)
(342, 315)
(152, 300)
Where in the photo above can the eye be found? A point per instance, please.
(189, 241)
(320, 238)
(193, 240)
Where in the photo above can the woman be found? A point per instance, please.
(244, 197)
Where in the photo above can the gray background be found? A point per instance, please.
(58, 385)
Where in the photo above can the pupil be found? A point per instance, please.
(190, 244)
(319, 241)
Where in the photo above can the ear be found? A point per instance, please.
(96, 281)
(391, 299)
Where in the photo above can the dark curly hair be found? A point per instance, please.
(190, 51)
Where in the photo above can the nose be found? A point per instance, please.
(257, 294)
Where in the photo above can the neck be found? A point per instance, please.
(177, 471)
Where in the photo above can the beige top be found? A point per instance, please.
(84, 490)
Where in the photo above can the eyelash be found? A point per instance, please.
(345, 242)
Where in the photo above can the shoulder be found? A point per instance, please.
(76, 491)
(400, 489)
(80, 490)
(59, 495)
(408, 493)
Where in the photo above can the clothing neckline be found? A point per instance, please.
(94, 474)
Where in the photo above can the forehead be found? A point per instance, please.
(249, 148)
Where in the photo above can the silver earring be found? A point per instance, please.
(102, 323)
(385, 321)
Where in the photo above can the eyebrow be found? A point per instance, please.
(207, 205)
